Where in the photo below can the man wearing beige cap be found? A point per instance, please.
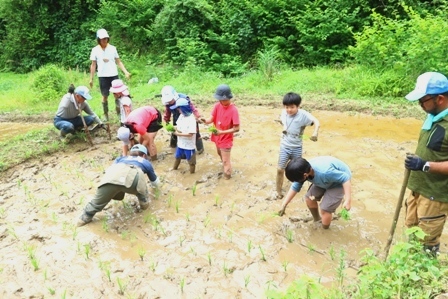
(427, 204)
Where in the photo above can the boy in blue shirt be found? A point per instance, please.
(331, 181)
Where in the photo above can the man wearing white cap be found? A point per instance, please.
(68, 119)
(427, 204)
(105, 59)
(126, 175)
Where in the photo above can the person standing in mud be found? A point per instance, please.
(186, 133)
(331, 181)
(126, 175)
(294, 121)
(68, 118)
(169, 97)
(226, 120)
(145, 121)
(427, 204)
(105, 60)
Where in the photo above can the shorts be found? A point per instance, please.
(286, 154)
(184, 154)
(155, 125)
(105, 84)
(332, 198)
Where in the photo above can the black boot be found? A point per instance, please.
(106, 110)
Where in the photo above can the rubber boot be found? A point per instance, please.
(192, 163)
(173, 141)
(199, 146)
(106, 110)
(279, 182)
(315, 213)
(176, 164)
(117, 107)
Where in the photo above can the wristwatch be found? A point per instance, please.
(426, 167)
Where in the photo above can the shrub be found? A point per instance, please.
(48, 83)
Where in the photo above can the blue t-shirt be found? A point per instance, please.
(140, 162)
(329, 173)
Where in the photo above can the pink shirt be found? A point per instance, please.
(224, 118)
(141, 118)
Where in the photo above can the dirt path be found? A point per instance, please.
(223, 241)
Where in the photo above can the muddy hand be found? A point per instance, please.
(282, 212)
(313, 138)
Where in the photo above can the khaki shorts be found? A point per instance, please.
(330, 198)
(427, 214)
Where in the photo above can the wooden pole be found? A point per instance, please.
(407, 172)
(86, 129)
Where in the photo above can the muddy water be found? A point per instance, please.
(202, 237)
(9, 130)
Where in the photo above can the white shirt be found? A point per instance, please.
(186, 125)
(105, 60)
(124, 101)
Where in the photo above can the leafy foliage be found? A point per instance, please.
(48, 83)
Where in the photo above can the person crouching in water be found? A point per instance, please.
(186, 134)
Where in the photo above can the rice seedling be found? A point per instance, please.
(187, 216)
(193, 251)
(51, 290)
(193, 189)
(157, 193)
(162, 229)
(340, 270)
(104, 224)
(74, 232)
(212, 129)
(54, 217)
(182, 284)
(45, 275)
(141, 253)
(32, 255)
(105, 266)
(263, 257)
(344, 214)
(64, 294)
(147, 217)
(285, 265)
(152, 265)
(124, 234)
(246, 280)
(249, 246)
(169, 127)
(332, 253)
(207, 220)
(12, 232)
(209, 258)
(311, 247)
(216, 201)
(2, 212)
(289, 235)
(177, 206)
(181, 240)
(230, 236)
(170, 199)
(87, 250)
(121, 286)
(225, 269)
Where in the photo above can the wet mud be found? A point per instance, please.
(202, 236)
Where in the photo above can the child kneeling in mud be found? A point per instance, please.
(186, 135)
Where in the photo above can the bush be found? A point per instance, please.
(48, 83)
(401, 49)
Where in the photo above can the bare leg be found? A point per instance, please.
(225, 155)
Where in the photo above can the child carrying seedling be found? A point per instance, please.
(226, 121)
(294, 121)
(186, 134)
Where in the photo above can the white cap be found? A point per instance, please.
(123, 134)
(102, 33)
(168, 94)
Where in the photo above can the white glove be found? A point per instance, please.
(156, 183)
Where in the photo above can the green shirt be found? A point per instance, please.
(432, 146)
